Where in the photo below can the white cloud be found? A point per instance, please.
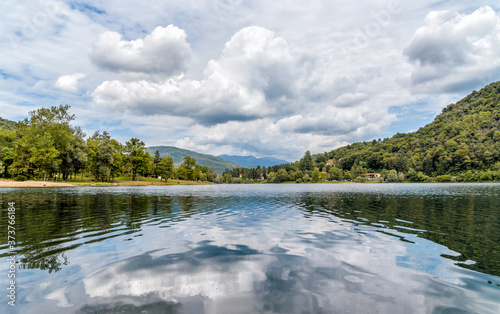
(69, 83)
(259, 96)
(164, 51)
(252, 79)
(453, 50)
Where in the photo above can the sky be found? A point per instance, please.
(241, 77)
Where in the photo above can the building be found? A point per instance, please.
(373, 175)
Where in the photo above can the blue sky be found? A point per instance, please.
(246, 77)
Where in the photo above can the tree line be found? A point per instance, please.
(46, 145)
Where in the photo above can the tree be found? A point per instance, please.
(119, 159)
(43, 154)
(336, 173)
(166, 168)
(281, 176)
(357, 170)
(315, 175)
(347, 176)
(47, 132)
(6, 158)
(157, 159)
(100, 155)
(137, 156)
(306, 163)
(392, 176)
(188, 169)
(75, 155)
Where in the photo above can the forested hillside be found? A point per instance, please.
(465, 136)
(205, 160)
(7, 124)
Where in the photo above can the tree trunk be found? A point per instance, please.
(44, 174)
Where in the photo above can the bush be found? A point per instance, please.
(485, 176)
(444, 178)
(359, 179)
(21, 177)
(237, 180)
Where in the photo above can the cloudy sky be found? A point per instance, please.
(266, 78)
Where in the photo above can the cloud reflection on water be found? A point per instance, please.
(257, 249)
(326, 271)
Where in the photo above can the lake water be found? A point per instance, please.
(318, 248)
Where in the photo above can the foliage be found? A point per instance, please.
(7, 124)
(306, 164)
(465, 136)
(138, 157)
(45, 144)
(101, 156)
(166, 168)
(45, 140)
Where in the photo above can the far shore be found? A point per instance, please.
(40, 184)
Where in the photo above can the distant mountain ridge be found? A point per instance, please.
(252, 161)
(205, 160)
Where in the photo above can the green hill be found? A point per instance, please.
(205, 160)
(7, 124)
(465, 137)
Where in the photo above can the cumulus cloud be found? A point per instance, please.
(69, 83)
(252, 79)
(164, 51)
(259, 97)
(452, 50)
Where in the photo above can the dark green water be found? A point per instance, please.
(350, 248)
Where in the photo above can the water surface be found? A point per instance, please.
(356, 248)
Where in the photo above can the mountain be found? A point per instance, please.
(7, 124)
(463, 138)
(251, 161)
(205, 160)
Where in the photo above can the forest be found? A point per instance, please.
(46, 146)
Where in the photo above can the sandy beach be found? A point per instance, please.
(31, 184)
(40, 184)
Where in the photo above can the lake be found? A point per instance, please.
(308, 248)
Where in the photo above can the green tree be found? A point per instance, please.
(306, 163)
(336, 173)
(166, 168)
(47, 131)
(119, 159)
(188, 169)
(138, 158)
(100, 155)
(392, 176)
(315, 175)
(282, 176)
(43, 154)
(75, 156)
(157, 159)
(6, 158)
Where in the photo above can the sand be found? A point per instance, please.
(31, 184)
(36, 184)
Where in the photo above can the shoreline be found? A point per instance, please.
(47, 184)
